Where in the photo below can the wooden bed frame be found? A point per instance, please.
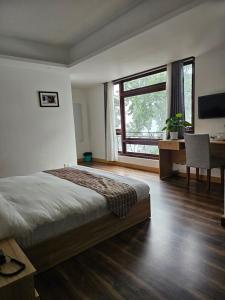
(56, 250)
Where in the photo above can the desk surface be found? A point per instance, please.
(10, 247)
(182, 141)
(180, 144)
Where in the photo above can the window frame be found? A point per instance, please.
(136, 92)
(145, 90)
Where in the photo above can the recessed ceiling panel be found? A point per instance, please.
(58, 22)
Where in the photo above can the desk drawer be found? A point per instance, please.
(171, 145)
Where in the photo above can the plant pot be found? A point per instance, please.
(173, 135)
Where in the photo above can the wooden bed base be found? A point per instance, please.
(56, 250)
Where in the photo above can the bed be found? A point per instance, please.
(54, 219)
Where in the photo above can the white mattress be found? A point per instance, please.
(46, 206)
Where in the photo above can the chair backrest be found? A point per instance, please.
(197, 150)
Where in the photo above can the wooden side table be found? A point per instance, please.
(21, 286)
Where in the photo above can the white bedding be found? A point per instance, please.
(39, 206)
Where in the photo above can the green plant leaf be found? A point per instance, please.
(176, 122)
(179, 115)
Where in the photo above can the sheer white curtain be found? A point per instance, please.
(111, 142)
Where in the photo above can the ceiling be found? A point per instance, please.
(69, 31)
(191, 33)
(58, 22)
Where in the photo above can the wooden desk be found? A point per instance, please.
(173, 151)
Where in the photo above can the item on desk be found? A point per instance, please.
(164, 136)
(2, 258)
(173, 135)
(5, 260)
(219, 137)
(174, 124)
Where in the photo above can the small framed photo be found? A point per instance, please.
(49, 99)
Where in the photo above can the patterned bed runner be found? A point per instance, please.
(120, 197)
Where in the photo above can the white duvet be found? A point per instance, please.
(27, 202)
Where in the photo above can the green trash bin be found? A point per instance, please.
(87, 156)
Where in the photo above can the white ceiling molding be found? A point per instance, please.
(191, 33)
(33, 50)
(6, 60)
(144, 16)
(68, 32)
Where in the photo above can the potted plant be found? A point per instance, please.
(173, 125)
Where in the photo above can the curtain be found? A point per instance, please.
(168, 88)
(110, 132)
(105, 111)
(177, 91)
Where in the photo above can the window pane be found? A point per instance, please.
(146, 149)
(145, 114)
(188, 92)
(145, 81)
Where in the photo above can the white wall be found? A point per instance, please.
(210, 79)
(94, 97)
(81, 96)
(92, 101)
(33, 138)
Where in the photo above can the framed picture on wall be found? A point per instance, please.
(48, 99)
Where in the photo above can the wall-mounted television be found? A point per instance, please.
(211, 106)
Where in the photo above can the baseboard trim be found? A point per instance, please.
(95, 159)
(136, 167)
(123, 164)
(101, 160)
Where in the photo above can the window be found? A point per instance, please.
(140, 113)
(145, 81)
(140, 104)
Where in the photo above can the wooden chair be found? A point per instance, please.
(198, 156)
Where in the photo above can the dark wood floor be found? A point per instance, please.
(178, 254)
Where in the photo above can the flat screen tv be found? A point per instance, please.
(211, 106)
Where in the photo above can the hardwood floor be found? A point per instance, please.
(178, 254)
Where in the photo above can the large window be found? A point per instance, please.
(141, 110)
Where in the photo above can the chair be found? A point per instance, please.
(198, 156)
